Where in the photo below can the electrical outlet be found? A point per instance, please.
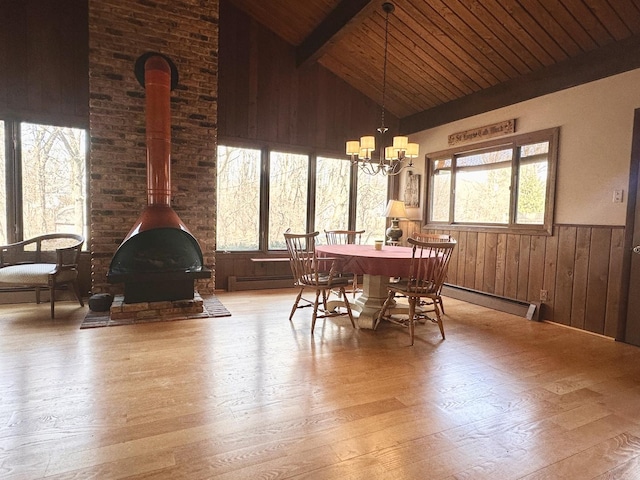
(618, 195)
(544, 295)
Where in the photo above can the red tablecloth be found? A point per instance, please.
(365, 259)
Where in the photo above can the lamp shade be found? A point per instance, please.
(413, 149)
(368, 142)
(353, 147)
(390, 153)
(395, 209)
(400, 143)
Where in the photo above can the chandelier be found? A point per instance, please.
(392, 159)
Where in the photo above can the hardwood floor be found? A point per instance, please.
(252, 396)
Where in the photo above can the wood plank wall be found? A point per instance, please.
(44, 56)
(44, 76)
(264, 97)
(580, 267)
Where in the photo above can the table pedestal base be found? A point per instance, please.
(369, 304)
(374, 293)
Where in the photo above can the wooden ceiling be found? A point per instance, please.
(448, 59)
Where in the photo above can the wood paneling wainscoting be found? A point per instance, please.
(252, 270)
(579, 268)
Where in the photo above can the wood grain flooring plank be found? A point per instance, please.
(256, 396)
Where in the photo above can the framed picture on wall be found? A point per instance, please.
(412, 190)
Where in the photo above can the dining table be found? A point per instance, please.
(377, 267)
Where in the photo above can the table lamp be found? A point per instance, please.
(395, 210)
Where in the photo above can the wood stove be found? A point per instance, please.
(159, 259)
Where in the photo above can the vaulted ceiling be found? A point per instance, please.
(449, 59)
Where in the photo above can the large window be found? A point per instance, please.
(49, 193)
(262, 193)
(333, 180)
(372, 200)
(238, 205)
(507, 184)
(288, 187)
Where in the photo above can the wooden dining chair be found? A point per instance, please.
(433, 237)
(429, 264)
(308, 275)
(344, 237)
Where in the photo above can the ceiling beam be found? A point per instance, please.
(311, 47)
(610, 60)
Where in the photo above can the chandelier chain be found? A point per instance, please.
(392, 159)
(382, 128)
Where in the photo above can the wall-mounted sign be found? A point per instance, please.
(483, 133)
(412, 190)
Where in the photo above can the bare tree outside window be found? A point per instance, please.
(332, 195)
(506, 184)
(53, 179)
(440, 190)
(288, 187)
(238, 203)
(532, 183)
(247, 223)
(371, 202)
(483, 187)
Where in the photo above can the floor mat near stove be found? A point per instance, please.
(212, 308)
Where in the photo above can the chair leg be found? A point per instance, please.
(385, 305)
(439, 319)
(412, 314)
(348, 305)
(439, 300)
(52, 294)
(315, 311)
(324, 300)
(38, 295)
(295, 304)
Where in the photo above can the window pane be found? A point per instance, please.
(532, 183)
(288, 186)
(370, 206)
(53, 180)
(332, 195)
(440, 190)
(238, 201)
(483, 188)
(3, 189)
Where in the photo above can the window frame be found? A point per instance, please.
(14, 175)
(312, 154)
(514, 142)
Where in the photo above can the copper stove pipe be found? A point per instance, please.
(157, 74)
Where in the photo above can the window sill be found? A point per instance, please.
(542, 230)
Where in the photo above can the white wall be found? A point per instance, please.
(596, 122)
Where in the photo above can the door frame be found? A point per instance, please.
(632, 198)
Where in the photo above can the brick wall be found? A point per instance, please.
(119, 32)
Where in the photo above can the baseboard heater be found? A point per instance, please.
(528, 310)
(259, 283)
